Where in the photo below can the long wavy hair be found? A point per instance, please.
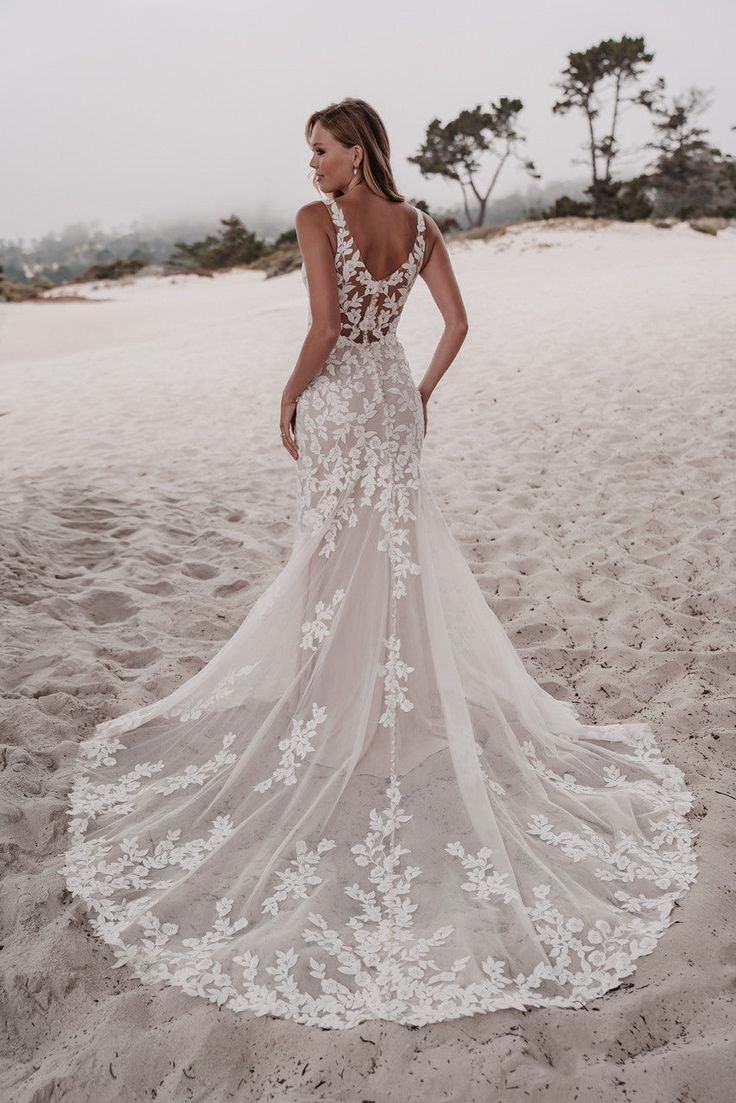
(354, 122)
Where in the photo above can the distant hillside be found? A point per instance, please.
(86, 250)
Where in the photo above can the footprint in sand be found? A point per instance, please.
(232, 587)
(200, 570)
(108, 606)
(135, 659)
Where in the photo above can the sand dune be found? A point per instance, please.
(583, 449)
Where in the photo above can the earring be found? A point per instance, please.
(354, 170)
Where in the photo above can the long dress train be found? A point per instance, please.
(363, 806)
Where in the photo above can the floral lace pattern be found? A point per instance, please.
(93, 877)
(663, 795)
(302, 872)
(493, 785)
(370, 308)
(394, 973)
(314, 826)
(483, 881)
(314, 631)
(295, 748)
(193, 711)
(197, 775)
(632, 858)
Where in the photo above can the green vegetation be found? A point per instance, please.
(235, 245)
(689, 178)
(453, 150)
(113, 270)
(80, 258)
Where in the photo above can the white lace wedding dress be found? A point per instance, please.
(364, 807)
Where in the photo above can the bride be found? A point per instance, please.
(363, 806)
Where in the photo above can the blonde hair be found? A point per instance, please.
(354, 122)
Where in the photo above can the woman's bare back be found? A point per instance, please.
(384, 232)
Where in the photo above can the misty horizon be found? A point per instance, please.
(145, 114)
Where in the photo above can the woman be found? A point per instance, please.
(364, 806)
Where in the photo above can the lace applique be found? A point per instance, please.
(395, 673)
(197, 775)
(193, 710)
(100, 750)
(297, 745)
(661, 796)
(88, 801)
(483, 881)
(394, 974)
(302, 873)
(91, 875)
(315, 631)
(647, 859)
(493, 785)
(370, 308)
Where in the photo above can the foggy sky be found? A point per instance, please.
(124, 110)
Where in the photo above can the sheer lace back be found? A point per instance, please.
(369, 308)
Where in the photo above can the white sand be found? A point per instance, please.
(583, 449)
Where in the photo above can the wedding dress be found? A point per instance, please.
(363, 806)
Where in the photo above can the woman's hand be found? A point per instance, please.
(288, 425)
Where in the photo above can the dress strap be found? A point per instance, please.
(335, 213)
(339, 218)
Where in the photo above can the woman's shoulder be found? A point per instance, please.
(431, 234)
(429, 222)
(312, 217)
(310, 211)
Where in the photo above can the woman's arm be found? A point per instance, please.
(311, 224)
(439, 276)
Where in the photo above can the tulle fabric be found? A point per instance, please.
(364, 806)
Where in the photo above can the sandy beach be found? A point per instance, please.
(583, 450)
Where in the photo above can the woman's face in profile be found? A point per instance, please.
(331, 162)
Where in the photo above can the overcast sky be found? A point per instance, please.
(124, 110)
